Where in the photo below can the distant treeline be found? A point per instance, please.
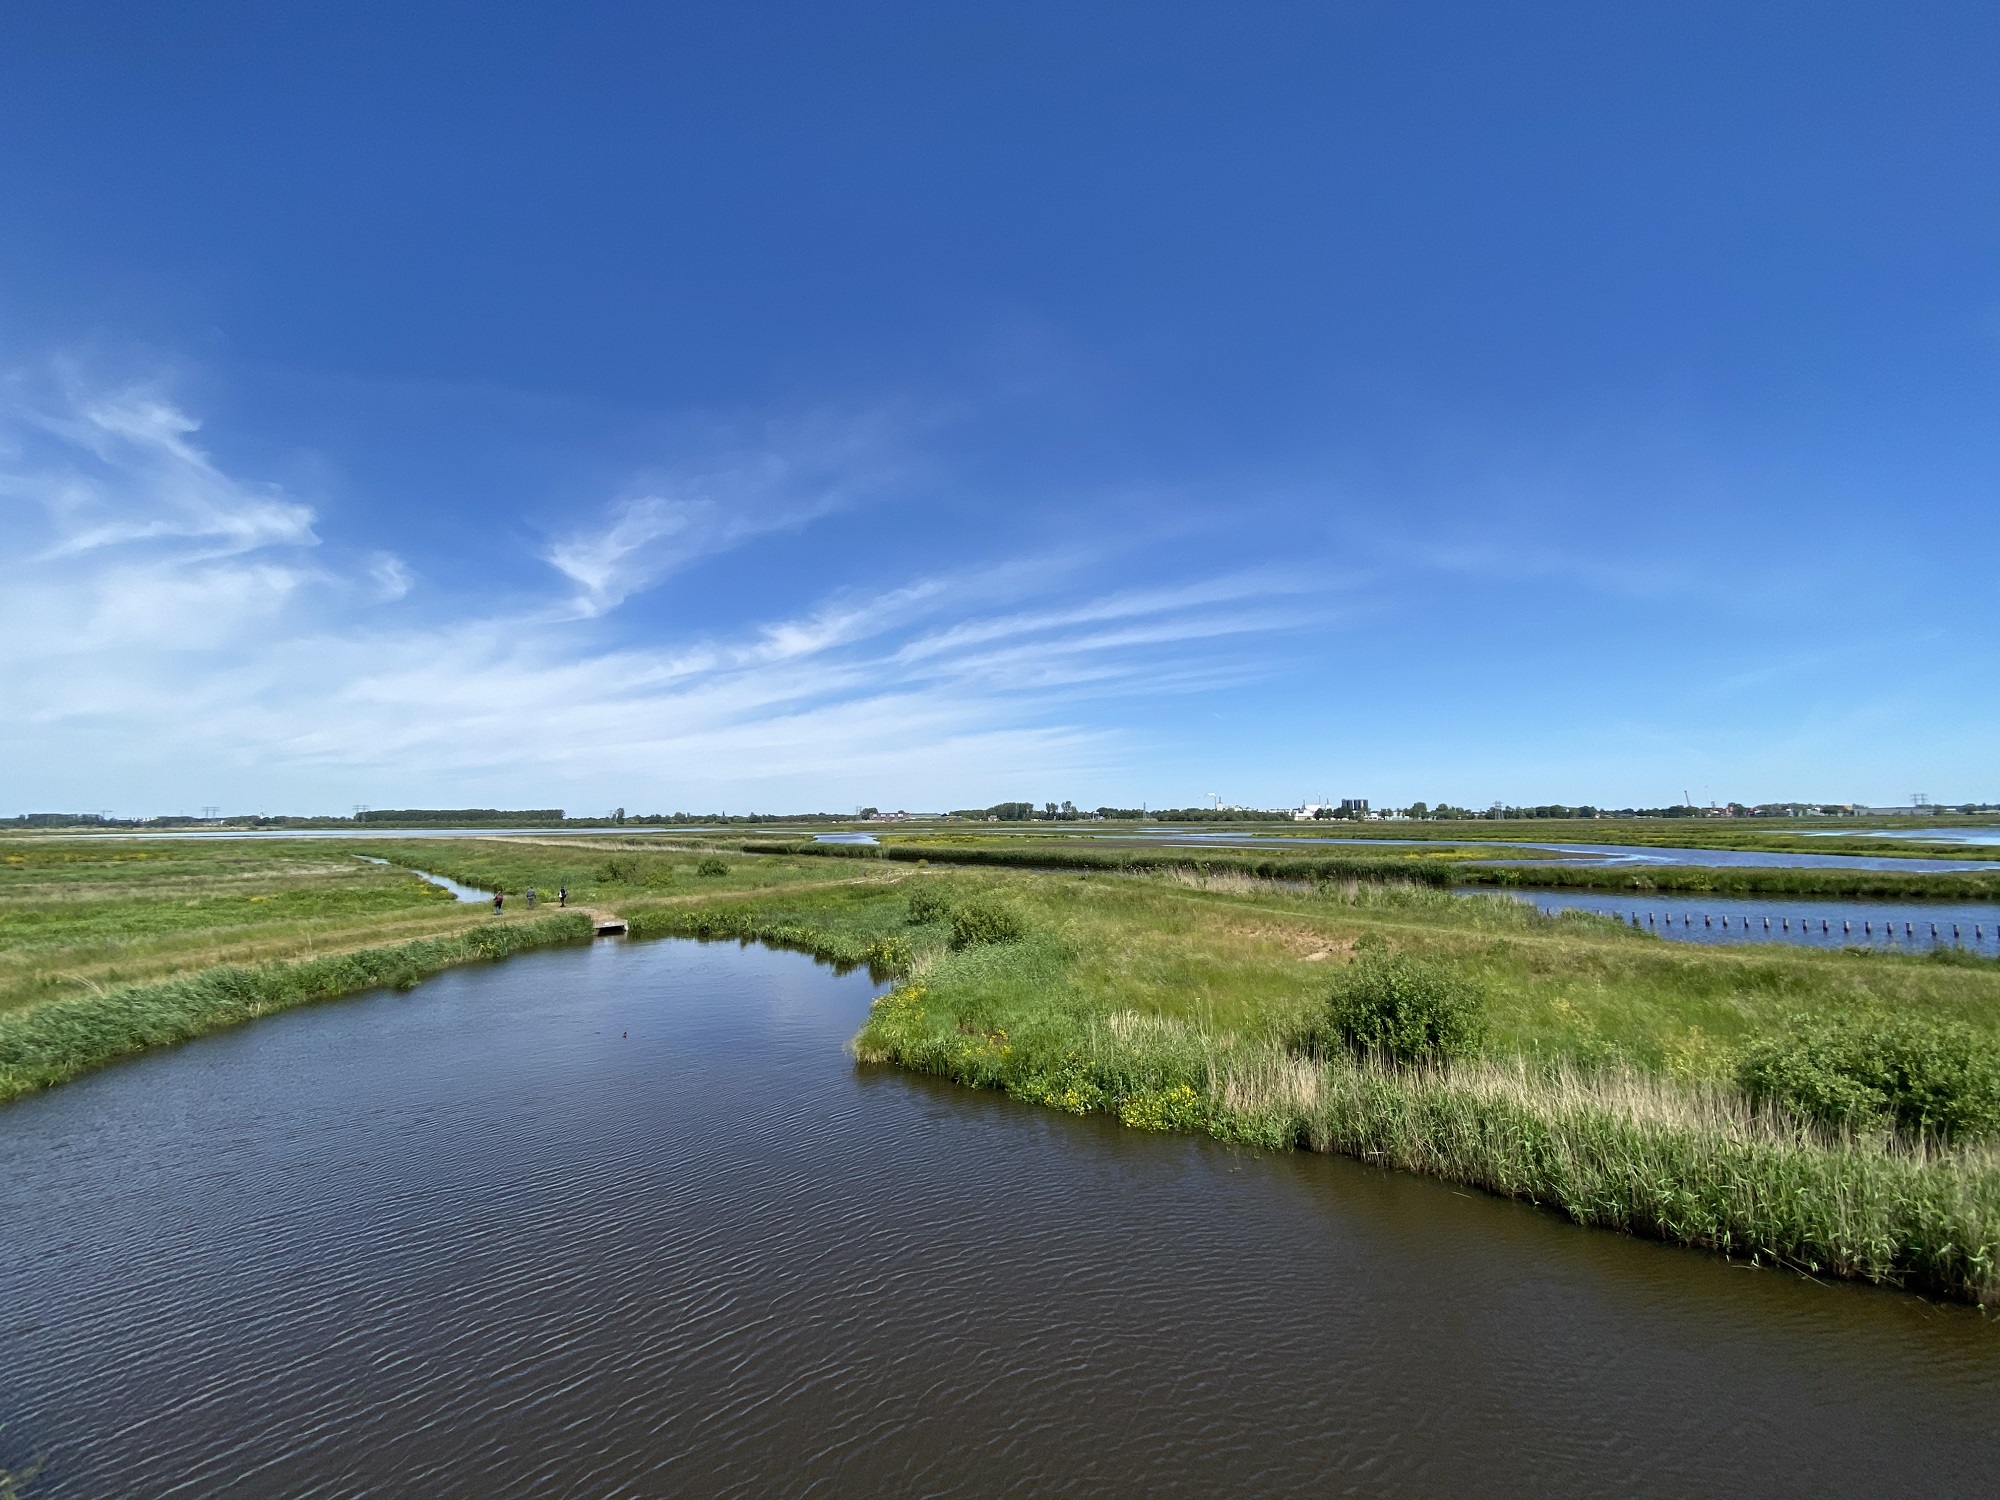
(460, 815)
(619, 817)
(1069, 812)
(420, 817)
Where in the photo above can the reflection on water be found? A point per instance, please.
(1688, 917)
(623, 1220)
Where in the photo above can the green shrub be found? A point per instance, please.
(712, 866)
(1923, 1075)
(974, 922)
(929, 902)
(1406, 1009)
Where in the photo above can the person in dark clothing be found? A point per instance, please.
(498, 901)
(562, 895)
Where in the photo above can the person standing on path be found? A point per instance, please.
(562, 895)
(498, 901)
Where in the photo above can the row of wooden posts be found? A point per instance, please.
(1825, 926)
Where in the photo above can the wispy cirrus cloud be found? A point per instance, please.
(788, 480)
(127, 470)
(167, 620)
(125, 535)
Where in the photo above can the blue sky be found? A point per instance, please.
(761, 406)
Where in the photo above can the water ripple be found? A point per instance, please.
(624, 1221)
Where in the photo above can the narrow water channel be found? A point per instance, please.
(624, 1220)
(468, 894)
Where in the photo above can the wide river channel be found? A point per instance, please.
(625, 1220)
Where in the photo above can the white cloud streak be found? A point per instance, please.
(167, 636)
(792, 480)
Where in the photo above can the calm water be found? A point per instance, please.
(1928, 835)
(623, 1220)
(1839, 923)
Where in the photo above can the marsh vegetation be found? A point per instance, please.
(1831, 1110)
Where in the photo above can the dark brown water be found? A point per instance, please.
(478, 1240)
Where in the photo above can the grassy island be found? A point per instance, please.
(1833, 1111)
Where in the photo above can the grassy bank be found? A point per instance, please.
(1443, 864)
(1743, 880)
(857, 923)
(1430, 867)
(1621, 1150)
(82, 916)
(51, 1043)
(1604, 1091)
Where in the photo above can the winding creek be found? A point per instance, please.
(623, 1219)
(469, 895)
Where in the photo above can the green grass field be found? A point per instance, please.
(80, 917)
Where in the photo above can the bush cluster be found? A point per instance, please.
(929, 902)
(1935, 1077)
(973, 921)
(1408, 1010)
(712, 866)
